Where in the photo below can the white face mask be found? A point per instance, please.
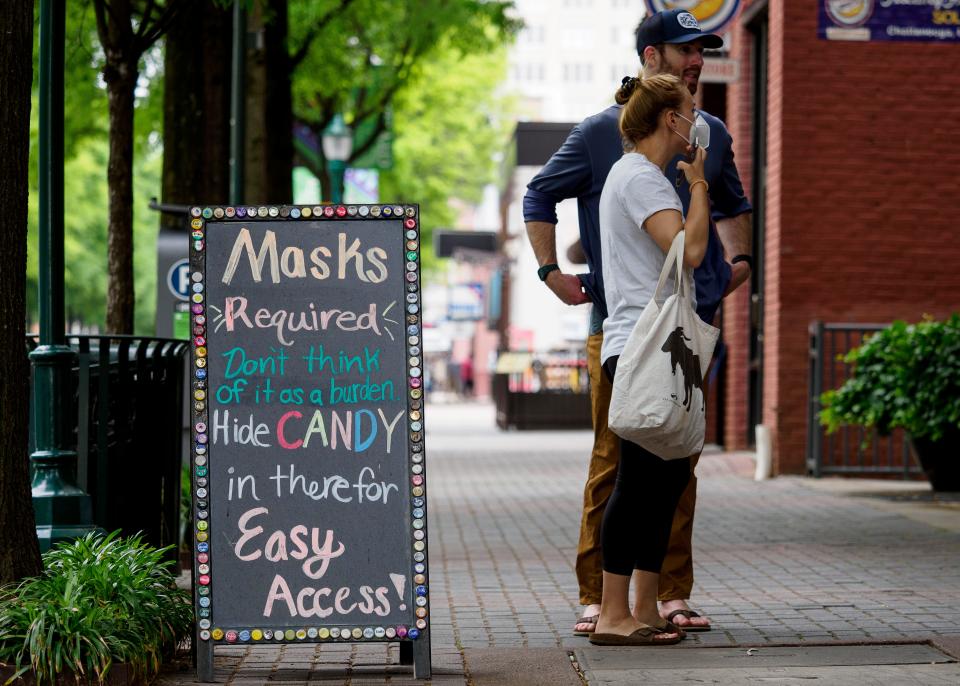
(699, 132)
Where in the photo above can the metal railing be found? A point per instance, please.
(125, 414)
(852, 450)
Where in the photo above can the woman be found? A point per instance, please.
(640, 214)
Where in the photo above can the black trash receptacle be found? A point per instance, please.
(125, 417)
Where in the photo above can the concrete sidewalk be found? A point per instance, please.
(867, 570)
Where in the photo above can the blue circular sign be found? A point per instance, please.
(178, 279)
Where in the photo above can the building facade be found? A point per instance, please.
(847, 149)
(843, 135)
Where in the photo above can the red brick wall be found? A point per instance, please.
(862, 197)
(736, 313)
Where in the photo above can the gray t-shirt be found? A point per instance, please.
(635, 189)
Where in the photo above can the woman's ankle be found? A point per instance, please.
(650, 618)
(624, 624)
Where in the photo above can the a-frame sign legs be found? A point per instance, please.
(417, 653)
(421, 657)
(205, 662)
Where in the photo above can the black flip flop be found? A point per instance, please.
(671, 628)
(689, 614)
(586, 620)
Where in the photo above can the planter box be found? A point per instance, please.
(541, 410)
(940, 460)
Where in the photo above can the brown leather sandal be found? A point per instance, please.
(644, 636)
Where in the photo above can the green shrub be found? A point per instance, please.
(101, 600)
(906, 376)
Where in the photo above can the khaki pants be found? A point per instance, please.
(676, 576)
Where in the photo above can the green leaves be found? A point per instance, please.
(101, 600)
(336, 47)
(906, 376)
(450, 124)
(364, 58)
(85, 184)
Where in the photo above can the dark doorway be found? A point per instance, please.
(713, 99)
(759, 31)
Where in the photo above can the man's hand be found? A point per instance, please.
(740, 273)
(566, 287)
(543, 239)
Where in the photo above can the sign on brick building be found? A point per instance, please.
(887, 20)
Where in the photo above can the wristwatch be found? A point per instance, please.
(743, 258)
(546, 269)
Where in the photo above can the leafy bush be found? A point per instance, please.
(100, 600)
(907, 376)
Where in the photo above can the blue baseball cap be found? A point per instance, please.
(673, 26)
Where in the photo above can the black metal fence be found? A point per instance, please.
(126, 417)
(852, 450)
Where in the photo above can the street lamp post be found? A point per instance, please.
(63, 511)
(337, 145)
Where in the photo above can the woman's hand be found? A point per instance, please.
(693, 169)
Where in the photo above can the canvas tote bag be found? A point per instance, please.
(657, 399)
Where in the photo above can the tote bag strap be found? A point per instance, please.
(674, 258)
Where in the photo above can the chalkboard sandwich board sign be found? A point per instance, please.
(309, 483)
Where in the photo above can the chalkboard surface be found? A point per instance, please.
(309, 493)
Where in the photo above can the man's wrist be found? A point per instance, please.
(546, 269)
(743, 258)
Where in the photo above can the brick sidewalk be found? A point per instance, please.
(776, 561)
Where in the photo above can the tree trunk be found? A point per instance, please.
(121, 77)
(19, 553)
(196, 109)
(278, 107)
(255, 137)
(269, 136)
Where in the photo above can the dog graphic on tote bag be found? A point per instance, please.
(689, 363)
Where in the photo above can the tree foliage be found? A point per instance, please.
(127, 30)
(434, 64)
(354, 57)
(451, 125)
(85, 184)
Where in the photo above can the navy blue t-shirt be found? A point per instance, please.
(579, 169)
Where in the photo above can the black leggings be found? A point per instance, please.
(639, 514)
